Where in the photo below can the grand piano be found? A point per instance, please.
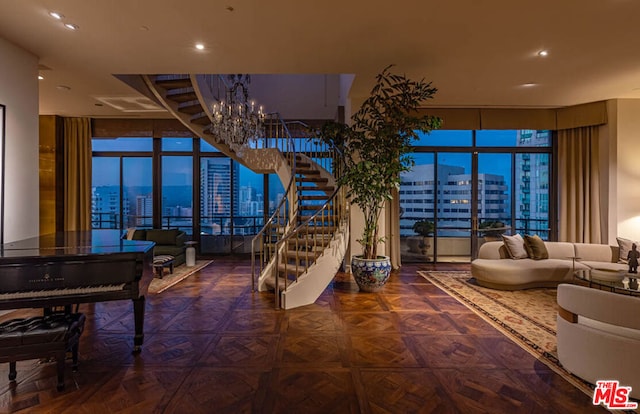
(69, 268)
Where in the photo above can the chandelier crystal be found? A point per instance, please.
(237, 121)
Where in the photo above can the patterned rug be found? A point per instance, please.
(179, 274)
(527, 317)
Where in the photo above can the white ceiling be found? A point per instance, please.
(476, 52)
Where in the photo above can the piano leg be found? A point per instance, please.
(138, 318)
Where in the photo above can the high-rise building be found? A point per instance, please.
(532, 181)
(418, 199)
(105, 207)
(250, 202)
(144, 210)
(217, 182)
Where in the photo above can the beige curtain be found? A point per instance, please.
(579, 185)
(393, 229)
(77, 174)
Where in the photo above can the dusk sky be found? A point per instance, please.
(178, 169)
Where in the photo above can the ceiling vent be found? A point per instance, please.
(131, 103)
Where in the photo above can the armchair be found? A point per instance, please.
(598, 335)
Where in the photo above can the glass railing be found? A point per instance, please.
(105, 220)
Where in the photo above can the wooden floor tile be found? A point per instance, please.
(405, 391)
(380, 350)
(234, 351)
(212, 345)
(314, 350)
(211, 390)
(312, 391)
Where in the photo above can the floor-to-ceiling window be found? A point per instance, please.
(122, 188)
(468, 187)
(178, 182)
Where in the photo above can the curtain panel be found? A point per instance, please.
(392, 219)
(77, 174)
(579, 185)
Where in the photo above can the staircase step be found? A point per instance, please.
(290, 269)
(303, 165)
(201, 119)
(174, 83)
(325, 189)
(183, 97)
(310, 207)
(319, 230)
(191, 109)
(313, 180)
(271, 283)
(302, 254)
(307, 171)
(327, 225)
(312, 242)
(312, 197)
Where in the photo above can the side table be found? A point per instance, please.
(190, 253)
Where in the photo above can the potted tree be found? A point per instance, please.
(424, 228)
(492, 230)
(375, 149)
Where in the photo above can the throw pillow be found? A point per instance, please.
(515, 246)
(624, 245)
(535, 247)
(130, 232)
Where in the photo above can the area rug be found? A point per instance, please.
(179, 274)
(527, 317)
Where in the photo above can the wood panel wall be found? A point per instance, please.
(51, 162)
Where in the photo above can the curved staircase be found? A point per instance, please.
(302, 245)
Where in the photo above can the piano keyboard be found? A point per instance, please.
(61, 292)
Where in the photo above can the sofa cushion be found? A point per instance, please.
(625, 247)
(604, 265)
(596, 252)
(163, 236)
(167, 250)
(515, 246)
(139, 235)
(560, 250)
(535, 247)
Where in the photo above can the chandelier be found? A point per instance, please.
(237, 121)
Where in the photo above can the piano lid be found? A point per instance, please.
(91, 242)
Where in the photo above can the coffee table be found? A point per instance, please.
(615, 281)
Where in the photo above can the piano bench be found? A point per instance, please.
(161, 262)
(41, 337)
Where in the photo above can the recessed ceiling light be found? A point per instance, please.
(40, 77)
(529, 84)
(63, 88)
(543, 53)
(199, 46)
(56, 15)
(71, 26)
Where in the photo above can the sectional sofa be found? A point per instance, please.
(494, 267)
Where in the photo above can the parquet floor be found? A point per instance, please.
(213, 346)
